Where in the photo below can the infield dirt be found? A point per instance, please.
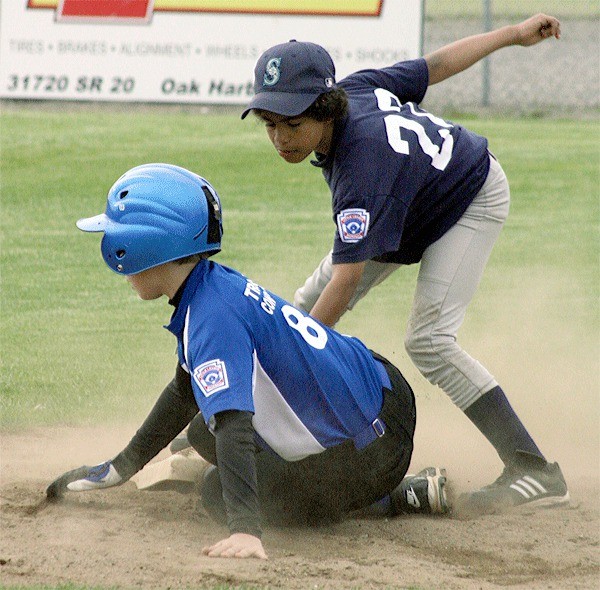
(125, 538)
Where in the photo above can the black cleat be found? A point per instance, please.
(423, 493)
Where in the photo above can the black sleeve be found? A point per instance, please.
(171, 413)
(236, 461)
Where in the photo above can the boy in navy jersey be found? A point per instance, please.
(409, 187)
(303, 424)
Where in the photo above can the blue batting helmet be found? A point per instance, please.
(157, 213)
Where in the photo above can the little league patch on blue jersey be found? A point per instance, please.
(211, 377)
(353, 225)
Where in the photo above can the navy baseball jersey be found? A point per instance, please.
(399, 176)
(308, 386)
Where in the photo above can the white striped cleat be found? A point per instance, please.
(534, 482)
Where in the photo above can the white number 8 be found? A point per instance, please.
(309, 329)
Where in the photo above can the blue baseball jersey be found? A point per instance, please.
(308, 387)
(400, 177)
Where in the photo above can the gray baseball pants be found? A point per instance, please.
(449, 273)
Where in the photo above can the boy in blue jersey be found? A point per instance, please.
(303, 424)
(409, 187)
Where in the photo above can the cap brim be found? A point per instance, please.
(281, 103)
(94, 224)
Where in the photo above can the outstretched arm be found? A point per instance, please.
(334, 299)
(460, 55)
(173, 410)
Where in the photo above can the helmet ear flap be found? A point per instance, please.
(215, 230)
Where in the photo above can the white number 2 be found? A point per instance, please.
(309, 329)
(386, 101)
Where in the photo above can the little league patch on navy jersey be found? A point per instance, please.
(211, 377)
(353, 225)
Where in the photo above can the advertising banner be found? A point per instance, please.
(186, 51)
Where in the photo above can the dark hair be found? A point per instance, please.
(195, 257)
(329, 105)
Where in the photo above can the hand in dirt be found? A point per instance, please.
(537, 28)
(237, 545)
(83, 479)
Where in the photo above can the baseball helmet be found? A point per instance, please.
(156, 213)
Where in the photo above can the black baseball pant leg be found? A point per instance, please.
(323, 488)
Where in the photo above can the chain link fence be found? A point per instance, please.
(555, 77)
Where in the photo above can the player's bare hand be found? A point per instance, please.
(237, 545)
(536, 29)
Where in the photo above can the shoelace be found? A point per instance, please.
(508, 473)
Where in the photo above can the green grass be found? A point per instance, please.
(79, 347)
(77, 344)
(435, 9)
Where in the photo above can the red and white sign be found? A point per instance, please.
(186, 51)
(139, 11)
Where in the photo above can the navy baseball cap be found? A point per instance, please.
(289, 77)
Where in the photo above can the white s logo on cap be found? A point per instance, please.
(272, 72)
